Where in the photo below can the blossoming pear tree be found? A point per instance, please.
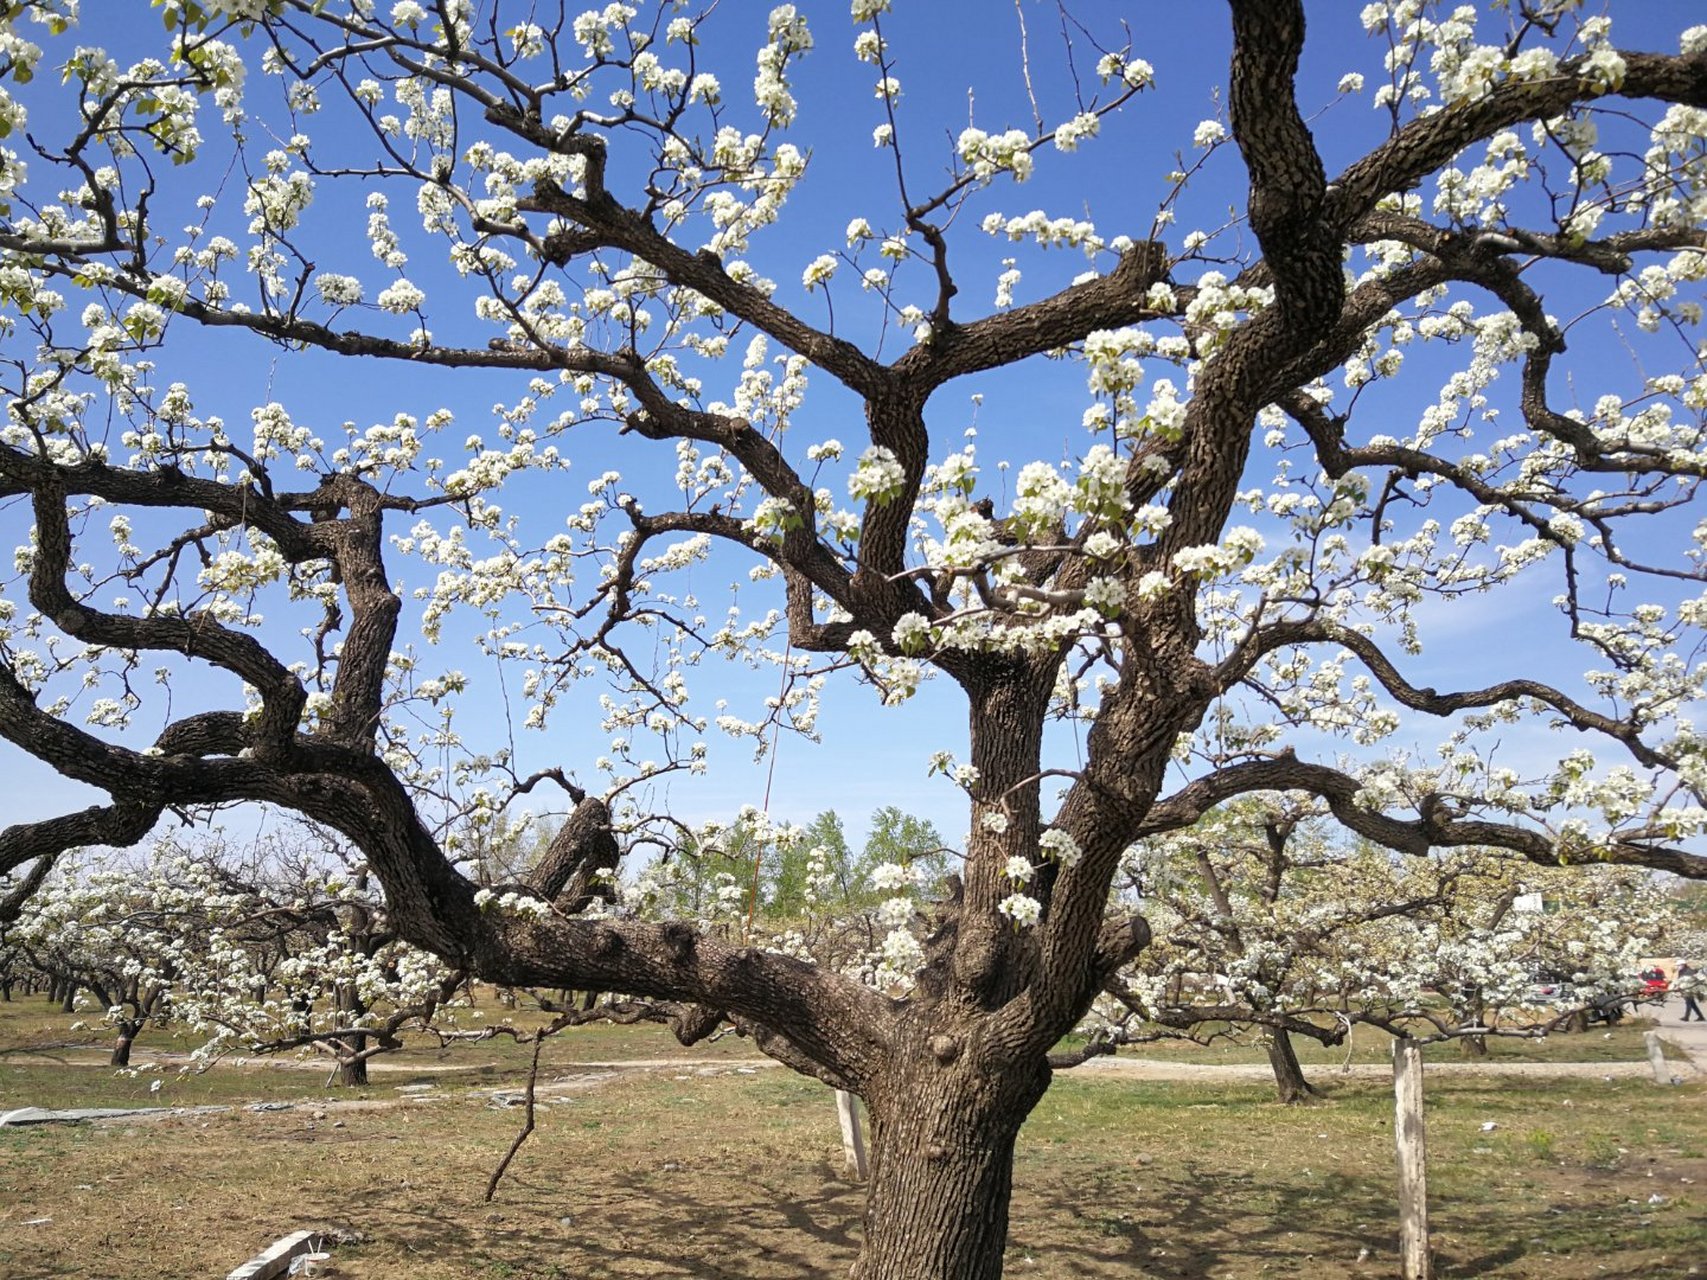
(305, 958)
(262, 951)
(1301, 436)
(96, 930)
(1265, 922)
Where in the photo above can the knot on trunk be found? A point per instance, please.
(945, 1049)
(694, 1022)
(678, 941)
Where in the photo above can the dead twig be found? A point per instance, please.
(533, 1077)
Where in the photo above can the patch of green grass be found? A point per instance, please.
(1602, 1151)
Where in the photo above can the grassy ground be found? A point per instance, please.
(32, 1025)
(677, 1172)
(38, 1051)
(671, 1173)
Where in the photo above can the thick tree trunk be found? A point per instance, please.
(942, 1170)
(1288, 1072)
(121, 1050)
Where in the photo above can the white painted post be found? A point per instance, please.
(1410, 1142)
(1657, 1058)
(853, 1138)
(276, 1258)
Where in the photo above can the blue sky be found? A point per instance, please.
(958, 63)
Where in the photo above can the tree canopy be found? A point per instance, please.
(1330, 380)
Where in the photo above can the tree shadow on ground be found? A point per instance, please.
(760, 1221)
(1211, 1223)
(671, 1222)
(1207, 1223)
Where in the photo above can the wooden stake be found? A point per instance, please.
(1411, 1144)
(853, 1138)
(1657, 1058)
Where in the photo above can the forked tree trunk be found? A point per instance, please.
(1289, 1078)
(942, 1170)
(351, 1007)
(352, 1073)
(1475, 1046)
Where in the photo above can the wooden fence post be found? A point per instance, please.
(1657, 1058)
(1410, 1142)
(853, 1138)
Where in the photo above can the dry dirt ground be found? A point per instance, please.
(724, 1170)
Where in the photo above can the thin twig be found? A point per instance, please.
(770, 777)
(1025, 65)
(527, 1126)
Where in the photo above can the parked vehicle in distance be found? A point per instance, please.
(1549, 991)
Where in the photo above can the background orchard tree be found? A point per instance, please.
(16, 971)
(1524, 950)
(1265, 922)
(276, 947)
(1262, 921)
(1686, 938)
(306, 958)
(124, 932)
(1295, 441)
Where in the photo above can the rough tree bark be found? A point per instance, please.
(352, 1066)
(1289, 1078)
(943, 1127)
